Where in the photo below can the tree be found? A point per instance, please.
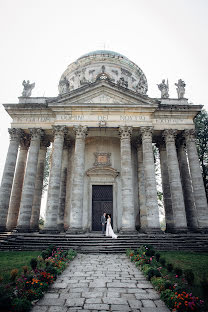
(201, 124)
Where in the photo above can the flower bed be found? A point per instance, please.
(172, 283)
(21, 292)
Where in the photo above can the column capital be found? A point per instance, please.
(25, 141)
(190, 135)
(160, 143)
(146, 132)
(15, 133)
(169, 135)
(80, 131)
(59, 131)
(125, 132)
(36, 133)
(44, 142)
(67, 143)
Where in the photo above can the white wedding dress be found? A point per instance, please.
(109, 230)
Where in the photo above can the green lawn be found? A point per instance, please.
(15, 260)
(198, 262)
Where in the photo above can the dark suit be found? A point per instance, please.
(103, 220)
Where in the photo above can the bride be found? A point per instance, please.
(109, 230)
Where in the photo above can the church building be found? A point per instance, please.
(101, 128)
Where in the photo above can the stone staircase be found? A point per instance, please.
(97, 243)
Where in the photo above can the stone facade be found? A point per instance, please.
(102, 127)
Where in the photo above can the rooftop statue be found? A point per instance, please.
(27, 90)
(180, 88)
(64, 85)
(164, 88)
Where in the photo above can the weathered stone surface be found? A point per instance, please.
(54, 181)
(28, 189)
(75, 302)
(106, 298)
(8, 175)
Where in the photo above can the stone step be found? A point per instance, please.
(95, 242)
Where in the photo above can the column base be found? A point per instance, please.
(75, 231)
(177, 231)
(49, 231)
(3, 228)
(150, 230)
(202, 230)
(127, 231)
(21, 229)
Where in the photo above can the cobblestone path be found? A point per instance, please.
(101, 282)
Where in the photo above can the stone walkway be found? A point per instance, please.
(101, 282)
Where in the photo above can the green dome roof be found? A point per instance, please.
(103, 52)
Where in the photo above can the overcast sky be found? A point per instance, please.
(39, 38)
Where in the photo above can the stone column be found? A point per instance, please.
(34, 221)
(62, 198)
(128, 214)
(178, 207)
(197, 181)
(78, 180)
(8, 175)
(23, 224)
(191, 213)
(141, 188)
(17, 185)
(153, 223)
(54, 181)
(166, 188)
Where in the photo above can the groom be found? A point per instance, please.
(103, 222)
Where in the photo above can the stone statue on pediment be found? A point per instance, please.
(164, 89)
(27, 90)
(64, 86)
(180, 88)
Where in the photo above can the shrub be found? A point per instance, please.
(169, 267)
(189, 276)
(25, 269)
(162, 261)
(5, 297)
(45, 254)
(21, 305)
(157, 256)
(13, 274)
(178, 271)
(168, 296)
(158, 283)
(168, 285)
(204, 285)
(153, 272)
(51, 269)
(33, 263)
(150, 252)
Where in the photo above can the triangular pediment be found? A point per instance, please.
(105, 94)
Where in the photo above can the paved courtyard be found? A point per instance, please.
(101, 282)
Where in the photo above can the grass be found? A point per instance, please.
(197, 262)
(10, 260)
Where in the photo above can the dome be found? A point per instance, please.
(102, 52)
(106, 65)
